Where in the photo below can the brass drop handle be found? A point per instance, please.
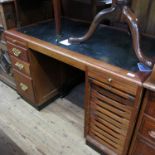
(19, 66)
(110, 80)
(16, 52)
(23, 87)
(152, 134)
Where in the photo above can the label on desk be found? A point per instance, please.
(65, 42)
(131, 75)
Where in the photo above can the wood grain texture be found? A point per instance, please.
(57, 15)
(48, 78)
(18, 51)
(24, 81)
(140, 8)
(143, 148)
(144, 140)
(57, 129)
(25, 67)
(7, 146)
(151, 19)
(147, 128)
(145, 13)
(112, 117)
(74, 59)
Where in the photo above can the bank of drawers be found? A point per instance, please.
(145, 140)
(18, 52)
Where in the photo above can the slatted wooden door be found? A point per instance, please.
(110, 116)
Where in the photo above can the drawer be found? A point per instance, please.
(147, 129)
(143, 148)
(18, 51)
(113, 93)
(113, 80)
(150, 107)
(16, 41)
(24, 86)
(20, 65)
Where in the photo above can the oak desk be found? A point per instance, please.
(114, 85)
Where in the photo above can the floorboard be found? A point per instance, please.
(55, 130)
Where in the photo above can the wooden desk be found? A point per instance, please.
(113, 94)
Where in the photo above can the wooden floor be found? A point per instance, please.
(56, 130)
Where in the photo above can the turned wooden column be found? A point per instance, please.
(57, 15)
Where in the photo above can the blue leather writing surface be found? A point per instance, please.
(109, 45)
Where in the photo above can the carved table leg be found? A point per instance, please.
(98, 18)
(132, 22)
(57, 15)
(130, 19)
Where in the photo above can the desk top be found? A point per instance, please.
(109, 45)
(108, 50)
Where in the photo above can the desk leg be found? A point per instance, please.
(57, 15)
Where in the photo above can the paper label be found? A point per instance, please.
(65, 42)
(131, 75)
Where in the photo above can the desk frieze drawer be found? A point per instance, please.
(17, 51)
(24, 86)
(113, 80)
(20, 65)
(16, 41)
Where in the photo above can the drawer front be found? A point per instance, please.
(24, 86)
(20, 65)
(110, 116)
(17, 51)
(114, 81)
(16, 41)
(147, 129)
(150, 107)
(142, 148)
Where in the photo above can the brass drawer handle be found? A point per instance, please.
(152, 134)
(19, 66)
(23, 87)
(16, 52)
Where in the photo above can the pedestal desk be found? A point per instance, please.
(113, 83)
